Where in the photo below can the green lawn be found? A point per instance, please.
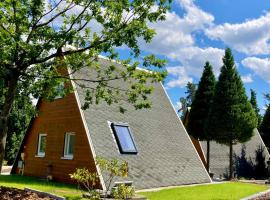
(223, 191)
(65, 190)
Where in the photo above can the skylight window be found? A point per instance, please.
(124, 138)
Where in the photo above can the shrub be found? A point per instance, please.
(87, 181)
(113, 168)
(123, 191)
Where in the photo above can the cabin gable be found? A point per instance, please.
(56, 119)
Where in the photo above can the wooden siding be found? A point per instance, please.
(195, 142)
(198, 148)
(55, 119)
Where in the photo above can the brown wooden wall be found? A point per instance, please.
(195, 142)
(198, 148)
(55, 119)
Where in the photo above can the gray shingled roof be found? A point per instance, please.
(165, 156)
(219, 154)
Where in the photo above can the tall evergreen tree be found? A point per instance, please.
(265, 127)
(254, 104)
(200, 108)
(231, 118)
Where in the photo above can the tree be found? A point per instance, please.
(197, 123)
(21, 113)
(187, 101)
(191, 90)
(254, 104)
(231, 118)
(265, 127)
(39, 39)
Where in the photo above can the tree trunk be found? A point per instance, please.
(208, 157)
(231, 161)
(4, 113)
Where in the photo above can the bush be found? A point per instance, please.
(88, 180)
(123, 191)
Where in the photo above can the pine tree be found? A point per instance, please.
(200, 108)
(231, 118)
(265, 127)
(254, 104)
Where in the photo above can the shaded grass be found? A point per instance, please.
(65, 190)
(223, 191)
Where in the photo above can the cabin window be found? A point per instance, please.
(59, 89)
(69, 145)
(42, 139)
(124, 138)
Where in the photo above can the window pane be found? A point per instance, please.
(71, 144)
(59, 89)
(66, 144)
(125, 139)
(42, 144)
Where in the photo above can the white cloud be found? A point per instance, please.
(259, 66)
(250, 37)
(176, 32)
(247, 78)
(194, 58)
(195, 18)
(175, 40)
(180, 77)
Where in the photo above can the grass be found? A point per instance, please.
(64, 190)
(223, 191)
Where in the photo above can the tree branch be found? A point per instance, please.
(70, 6)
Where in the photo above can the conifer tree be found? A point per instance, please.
(200, 108)
(265, 127)
(231, 118)
(254, 104)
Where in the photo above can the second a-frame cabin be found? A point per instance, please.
(153, 141)
(245, 155)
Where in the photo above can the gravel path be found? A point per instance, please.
(263, 197)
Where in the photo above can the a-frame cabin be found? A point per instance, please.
(153, 141)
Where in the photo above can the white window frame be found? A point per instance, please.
(39, 153)
(66, 145)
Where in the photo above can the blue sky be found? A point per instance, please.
(197, 31)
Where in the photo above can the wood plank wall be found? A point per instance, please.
(55, 119)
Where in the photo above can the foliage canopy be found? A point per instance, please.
(201, 105)
(40, 37)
